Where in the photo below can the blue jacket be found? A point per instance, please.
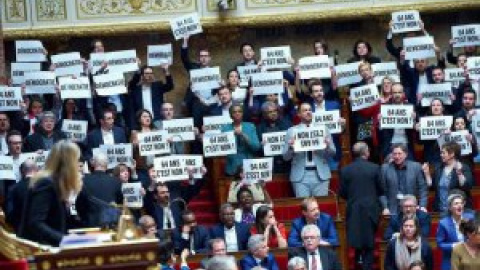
(158, 88)
(200, 236)
(244, 149)
(242, 230)
(248, 262)
(447, 236)
(325, 224)
(95, 139)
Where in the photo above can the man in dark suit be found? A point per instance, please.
(234, 233)
(191, 236)
(360, 187)
(258, 255)
(316, 256)
(45, 135)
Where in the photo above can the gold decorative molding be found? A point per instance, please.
(51, 10)
(254, 4)
(15, 11)
(212, 5)
(250, 21)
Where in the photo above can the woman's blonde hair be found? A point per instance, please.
(62, 167)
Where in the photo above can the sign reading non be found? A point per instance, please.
(433, 126)
(118, 154)
(75, 130)
(330, 119)
(153, 143)
(220, 144)
(454, 74)
(258, 169)
(38, 157)
(466, 35)
(186, 25)
(459, 137)
(276, 57)
(364, 96)
(273, 143)
(473, 67)
(396, 116)
(405, 21)
(132, 194)
(309, 139)
(170, 168)
(10, 98)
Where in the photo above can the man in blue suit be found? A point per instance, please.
(258, 255)
(311, 215)
(191, 236)
(235, 234)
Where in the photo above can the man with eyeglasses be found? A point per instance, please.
(14, 144)
(317, 257)
(258, 255)
(409, 209)
(190, 235)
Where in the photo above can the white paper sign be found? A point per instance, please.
(132, 194)
(473, 67)
(74, 88)
(10, 98)
(38, 158)
(466, 35)
(118, 154)
(246, 71)
(214, 124)
(419, 47)
(381, 70)
(276, 57)
(347, 74)
(30, 51)
(396, 116)
(330, 119)
(274, 143)
(364, 96)
(203, 80)
(194, 163)
(18, 71)
(454, 74)
(110, 84)
(39, 82)
(433, 126)
(187, 25)
(258, 169)
(170, 168)
(441, 91)
(117, 61)
(309, 139)
(266, 83)
(475, 125)
(220, 144)
(67, 64)
(6, 168)
(179, 130)
(159, 55)
(405, 21)
(459, 137)
(153, 143)
(75, 130)
(315, 67)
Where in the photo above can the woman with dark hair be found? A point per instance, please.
(466, 256)
(266, 224)
(144, 123)
(239, 94)
(34, 109)
(362, 51)
(460, 123)
(408, 247)
(246, 207)
(70, 111)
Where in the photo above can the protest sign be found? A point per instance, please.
(276, 57)
(454, 74)
(466, 35)
(475, 125)
(214, 124)
(10, 98)
(433, 126)
(347, 74)
(67, 64)
(75, 130)
(239, 94)
(440, 91)
(193, 163)
(39, 82)
(266, 83)
(39, 158)
(330, 119)
(117, 61)
(153, 143)
(274, 143)
(309, 139)
(185, 26)
(110, 84)
(118, 154)
(132, 194)
(419, 47)
(220, 144)
(30, 51)
(381, 70)
(6, 168)
(179, 130)
(170, 168)
(159, 55)
(315, 67)
(258, 169)
(246, 71)
(18, 71)
(459, 137)
(364, 96)
(473, 67)
(396, 116)
(74, 88)
(405, 21)
(203, 80)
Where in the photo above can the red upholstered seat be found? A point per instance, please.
(14, 265)
(476, 176)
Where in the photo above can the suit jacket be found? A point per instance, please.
(200, 235)
(395, 222)
(248, 262)
(325, 224)
(447, 236)
(95, 139)
(415, 185)
(242, 230)
(426, 255)
(15, 202)
(328, 257)
(412, 78)
(245, 149)
(158, 88)
(299, 159)
(34, 142)
(103, 186)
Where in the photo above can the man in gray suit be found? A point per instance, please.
(310, 174)
(402, 177)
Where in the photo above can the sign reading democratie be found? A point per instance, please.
(214, 124)
(18, 71)
(203, 80)
(132, 194)
(273, 143)
(441, 91)
(220, 144)
(473, 67)
(459, 137)
(67, 64)
(266, 83)
(10, 98)
(74, 88)
(276, 57)
(159, 55)
(396, 116)
(454, 74)
(258, 169)
(315, 67)
(331, 119)
(153, 143)
(381, 70)
(39, 82)
(347, 74)
(405, 21)
(110, 84)
(75, 130)
(309, 138)
(179, 129)
(466, 35)
(170, 168)
(419, 47)
(6, 168)
(364, 96)
(117, 62)
(187, 25)
(118, 154)
(433, 126)
(30, 51)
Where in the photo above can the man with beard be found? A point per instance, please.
(235, 234)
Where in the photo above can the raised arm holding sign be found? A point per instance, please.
(159, 55)
(67, 64)
(186, 26)
(466, 35)
(276, 57)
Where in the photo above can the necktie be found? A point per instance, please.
(309, 153)
(314, 262)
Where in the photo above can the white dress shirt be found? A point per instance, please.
(168, 217)
(108, 137)
(147, 98)
(231, 239)
(317, 259)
